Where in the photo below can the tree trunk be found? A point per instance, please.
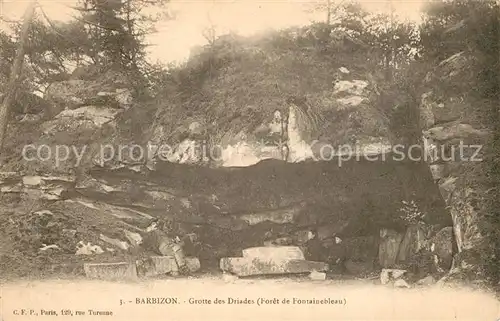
(130, 29)
(387, 62)
(328, 12)
(15, 73)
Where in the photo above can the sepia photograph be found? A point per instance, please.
(260, 160)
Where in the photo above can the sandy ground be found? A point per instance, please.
(272, 300)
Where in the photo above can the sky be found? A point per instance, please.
(175, 38)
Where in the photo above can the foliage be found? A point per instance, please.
(453, 26)
(239, 82)
(107, 34)
(390, 47)
(410, 213)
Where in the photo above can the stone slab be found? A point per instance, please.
(162, 265)
(122, 245)
(248, 267)
(32, 180)
(317, 276)
(275, 253)
(278, 217)
(193, 264)
(111, 271)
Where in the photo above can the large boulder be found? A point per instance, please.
(279, 216)
(109, 89)
(98, 116)
(389, 247)
(443, 247)
(281, 137)
(413, 240)
(451, 131)
(69, 141)
(68, 94)
(454, 66)
(286, 121)
(191, 145)
(351, 87)
(446, 110)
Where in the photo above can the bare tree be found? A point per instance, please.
(13, 83)
(332, 8)
(328, 12)
(210, 32)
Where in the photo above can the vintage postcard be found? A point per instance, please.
(261, 160)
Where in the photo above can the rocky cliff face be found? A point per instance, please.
(456, 137)
(296, 132)
(228, 209)
(236, 177)
(95, 113)
(267, 182)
